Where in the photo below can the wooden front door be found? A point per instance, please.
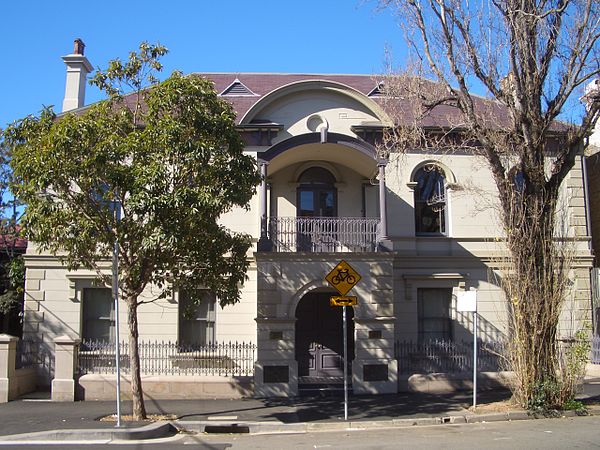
(319, 337)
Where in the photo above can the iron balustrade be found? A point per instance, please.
(171, 358)
(448, 357)
(323, 234)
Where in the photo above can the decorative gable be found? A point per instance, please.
(237, 89)
(377, 91)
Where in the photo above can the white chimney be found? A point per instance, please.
(78, 67)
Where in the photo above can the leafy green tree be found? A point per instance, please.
(12, 270)
(168, 155)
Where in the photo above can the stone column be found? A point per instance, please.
(8, 356)
(65, 359)
(384, 242)
(264, 243)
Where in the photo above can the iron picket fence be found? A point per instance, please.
(447, 356)
(170, 358)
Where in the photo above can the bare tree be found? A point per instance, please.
(532, 59)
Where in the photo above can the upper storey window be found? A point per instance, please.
(430, 200)
(317, 194)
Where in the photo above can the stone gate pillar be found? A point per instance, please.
(65, 365)
(8, 356)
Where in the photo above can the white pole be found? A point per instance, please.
(474, 359)
(345, 366)
(115, 288)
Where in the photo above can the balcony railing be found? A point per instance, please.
(323, 234)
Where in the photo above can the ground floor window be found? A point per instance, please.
(196, 318)
(434, 310)
(98, 315)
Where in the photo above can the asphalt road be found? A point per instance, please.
(565, 433)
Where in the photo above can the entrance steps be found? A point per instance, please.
(322, 386)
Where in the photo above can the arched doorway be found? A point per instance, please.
(319, 339)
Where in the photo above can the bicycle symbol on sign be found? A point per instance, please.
(343, 275)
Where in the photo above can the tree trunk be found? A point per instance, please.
(535, 287)
(137, 395)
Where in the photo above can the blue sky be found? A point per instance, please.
(316, 36)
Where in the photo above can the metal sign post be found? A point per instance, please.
(475, 359)
(343, 278)
(345, 365)
(344, 302)
(466, 301)
(115, 289)
(115, 280)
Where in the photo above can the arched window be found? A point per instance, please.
(317, 195)
(430, 200)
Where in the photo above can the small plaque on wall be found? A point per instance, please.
(375, 334)
(375, 372)
(275, 335)
(276, 374)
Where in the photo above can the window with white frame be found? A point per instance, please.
(196, 318)
(430, 200)
(435, 314)
(98, 315)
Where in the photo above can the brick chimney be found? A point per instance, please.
(78, 67)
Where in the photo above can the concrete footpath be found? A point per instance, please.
(37, 419)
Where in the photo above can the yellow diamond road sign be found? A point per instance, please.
(343, 277)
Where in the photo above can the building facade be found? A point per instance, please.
(418, 228)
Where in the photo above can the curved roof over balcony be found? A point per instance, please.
(301, 91)
(348, 151)
(252, 94)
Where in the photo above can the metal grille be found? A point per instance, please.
(596, 300)
(323, 234)
(28, 352)
(169, 358)
(595, 353)
(448, 357)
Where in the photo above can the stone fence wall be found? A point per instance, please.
(13, 382)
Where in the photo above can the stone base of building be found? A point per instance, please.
(444, 383)
(103, 387)
(375, 376)
(276, 378)
(63, 390)
(592, 370)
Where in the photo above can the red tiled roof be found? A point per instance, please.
(261, 84)
(400, 111)
(7, 241)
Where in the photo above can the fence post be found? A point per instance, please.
(8, 356)
(65, 360)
